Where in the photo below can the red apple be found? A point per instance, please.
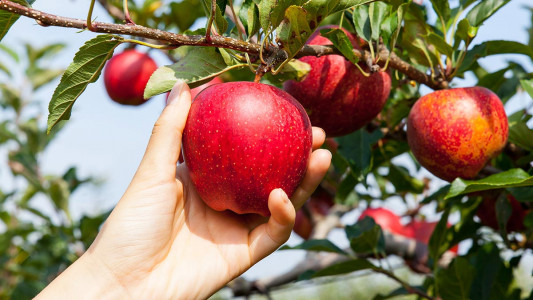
(335, 94)
(454, 133)
(318, 204)
(241, 141)
(487, 212)
(385, 218)
(126, 75)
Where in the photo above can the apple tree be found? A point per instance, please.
(383, 78)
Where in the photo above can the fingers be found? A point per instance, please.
(319, 136)
(267, 237)
(316, 170)
(165, 143)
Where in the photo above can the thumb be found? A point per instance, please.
(162, 152)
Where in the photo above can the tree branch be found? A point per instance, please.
(46, 19)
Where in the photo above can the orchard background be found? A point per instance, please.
(54, 196)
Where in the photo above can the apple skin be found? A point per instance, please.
(336, 95)
(487, 213)
(126, 75)
(241, 141)
(454, 133)
(319, 203)
(385, 218)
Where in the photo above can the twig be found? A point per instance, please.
(47, 19)
(113, 11)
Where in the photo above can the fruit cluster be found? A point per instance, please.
(244, 139)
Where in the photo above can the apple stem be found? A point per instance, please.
(90, 16)
(127, 17)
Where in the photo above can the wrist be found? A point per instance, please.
(86, 278)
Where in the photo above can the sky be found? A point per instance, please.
(107, 140)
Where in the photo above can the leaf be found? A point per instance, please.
(507, 179)
(84, 69)
(492, 48)
(293, 70)
(219, 20)
(350, 266)
(10, 52)
(185, 13)
(377, 13)
(442, 8)
(483, 10)
(195, 66)
(59, 193)
(465, 31)
(439, 43)
(439, 242)
(365, 236)
(356, 148)
(344, 4)
(316, 245)
(454, 283)
(403, 182)
(361, 23)
(527, 85)
(294, 30)
(249, 16)
(272, 12)
(44, 77)
(7, 19)
(341, 41)
(519, 133)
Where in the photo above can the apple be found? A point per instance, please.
(241, 141)
(487, 212)
(126, 75)
(335, 94)
(385, 218)
(422, 231)
(455, 132)
(318, 204)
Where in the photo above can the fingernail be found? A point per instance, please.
(176, 91)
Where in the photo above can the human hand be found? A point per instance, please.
(162, 242)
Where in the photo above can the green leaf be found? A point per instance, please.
(454, 283)
(465, 31)
(492, 48)
(7, 19)
(439, 43)
(442, 8)
(316, 245)
(365, 237)
(361, 21)
(519, 133)
(344, 4)
(341, 41)
(43, 77)
(507, 179)
(84, 69)
(249, 16)
(196, 65)
(272, 12)
(293, 70)
(346, 189)
(59, 193)
(403, 182)
(439, 241)
(527, 85)
(294, 30)
(356, 148)
(185, 13)
(483, 10)
(357, 264)
(219, 20)
(10, 52)
(377, 13)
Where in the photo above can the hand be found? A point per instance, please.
(161, 241)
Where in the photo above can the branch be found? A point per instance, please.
(46, 19)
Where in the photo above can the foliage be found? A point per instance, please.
(365, 167)
(35, 244)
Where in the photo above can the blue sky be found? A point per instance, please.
(107, 140)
